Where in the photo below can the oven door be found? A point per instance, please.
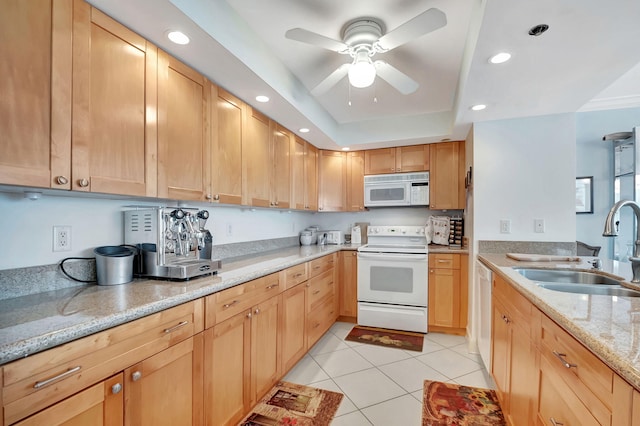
(393, 278)
(387, 194)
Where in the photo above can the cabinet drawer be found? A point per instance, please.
(295, 275)
(589, 378)
(321, 265)
(227, 303)
(319, 288)
(519, 309)
(33, 383)
(444, 260)
(558, 402)
(319, 320)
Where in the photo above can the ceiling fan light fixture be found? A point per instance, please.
(362, 72)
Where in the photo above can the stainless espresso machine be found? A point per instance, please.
(172, 242)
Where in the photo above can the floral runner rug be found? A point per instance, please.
(387, 338)
(448, 404)
(291, 404)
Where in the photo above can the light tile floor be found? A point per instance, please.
(383, 386)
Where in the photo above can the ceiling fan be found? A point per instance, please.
(362, 38)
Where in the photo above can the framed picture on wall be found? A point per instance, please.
(584, 194)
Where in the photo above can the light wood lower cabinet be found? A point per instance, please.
(544, 376)
(294, 330)
(348, 285)
(448, 293)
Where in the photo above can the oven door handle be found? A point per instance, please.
(392, 256)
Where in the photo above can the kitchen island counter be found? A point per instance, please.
(33, 323)
(609, 326)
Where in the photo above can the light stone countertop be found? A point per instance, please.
(608, 325)
(36, 322)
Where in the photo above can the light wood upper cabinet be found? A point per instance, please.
(304, 175)
(226, 152)
(310, 177)
(355, 181)
(256, 159)
(183, 131)
(404, 159)
(446, 178)
(332, 181)
(281, 160)
(35, 112)
(114, 137)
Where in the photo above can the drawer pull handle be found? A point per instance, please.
(61, 376)
(175, 327)
(443, 261)
(272, 286)
(228, 305)
(316, 292)
(115, 389)
(136, 376)
(299, 274)
(563, 361)
(554, 422)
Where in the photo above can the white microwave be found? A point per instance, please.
(399, 189)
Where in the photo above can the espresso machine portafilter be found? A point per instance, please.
(173, 242)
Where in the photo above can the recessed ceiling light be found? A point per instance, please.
(304, 130)
(500, 58)
(262, 98)
(478, 107)
(346, 148)
(178, 37)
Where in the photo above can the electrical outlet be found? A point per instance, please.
(538, 225)
(229, 230)
(62, 238)
(505, 226)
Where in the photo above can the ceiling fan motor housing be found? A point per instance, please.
(361, 33)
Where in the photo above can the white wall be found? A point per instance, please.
(524, 169)
(594, 157)
(27, 231)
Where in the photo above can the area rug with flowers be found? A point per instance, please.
(387, 338)
(291, 404)
(448, 404)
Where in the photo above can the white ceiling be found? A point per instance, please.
(589, 59)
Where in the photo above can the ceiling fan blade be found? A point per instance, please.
(331, 80)
(428, 21)
(397, 79)
(308, 37)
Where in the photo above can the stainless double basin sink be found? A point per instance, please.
(581, 282)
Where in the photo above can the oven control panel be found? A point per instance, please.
(389, 231)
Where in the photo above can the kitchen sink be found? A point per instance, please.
(577, 282)
(566, 276)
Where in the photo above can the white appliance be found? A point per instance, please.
(332, 237)
(483, 312)
(393, 278)
(399, 189)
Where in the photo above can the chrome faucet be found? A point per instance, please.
(610, 230)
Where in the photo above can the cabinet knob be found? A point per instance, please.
(62, 180)
(115, 389)
(83, 183)
(272, 204)
(208, 196)
(136, 376)
(249, 315)
(276, 203)
(216, 197)
(257, 311)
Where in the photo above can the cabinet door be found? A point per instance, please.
(332, 180)
(500, 347)
(310, 177)
(99, 405)
(444, 297)
(227, 361)
(256, 159)
(265, 345)
(379, 161)
(183, 131)
(445, 179)
(166, 389)
(293, 328)
(414, 158)
(114, 137)
(298, 179)
(281, 159)
(348, 284)
(226, 152)
(35, 112)
(355, 181)
(522, 376)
